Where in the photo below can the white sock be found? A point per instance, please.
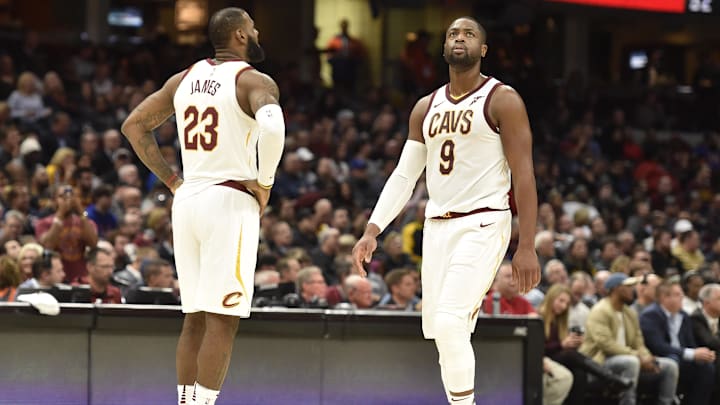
(205, 396)
(185, 394)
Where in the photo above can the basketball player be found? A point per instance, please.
(468, 136)
(232, 134)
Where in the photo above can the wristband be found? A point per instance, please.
(172, 179)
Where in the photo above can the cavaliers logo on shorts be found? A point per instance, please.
(232, 300)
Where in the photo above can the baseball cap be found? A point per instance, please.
(617, 279)
(682, 226)
(304, 154)
(29, 145)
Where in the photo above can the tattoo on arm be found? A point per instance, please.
(144, 141)
(147, 120)
(149, 152)
(266, 93)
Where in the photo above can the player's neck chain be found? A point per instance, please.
(473, 88)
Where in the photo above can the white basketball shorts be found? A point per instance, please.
(460, 259)
(215, 233)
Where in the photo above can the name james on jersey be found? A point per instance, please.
(208, 87)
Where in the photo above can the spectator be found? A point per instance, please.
(601, 278)
(608, 253)
(99, 211)
(401, 295)
(668, 332)
(311, 288)
(28, 253)
(131, 277)
(60, 136)
(691, 284)
(688, 251)
(26, 103)
(47, 271)
(288, 268)
(12, 229)
(645, 291)
(68, 231)
(663, 261)
(580, 284)
(10, 278)
(99, 272)
(561, 344)
(337, 293)
(393, 256)
(511, 302)
(705, 328)
(557, 382)
(359, 291)
(613, 338)
(61, 166)
(577, 258)
(545, 247)
(555, 273)
(281, 238)
(12, 249)
(158, 273)
(345, 55)
(412, 234)
(324, 255)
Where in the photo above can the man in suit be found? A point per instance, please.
(613, 338)
(668, 332)
(705, 328)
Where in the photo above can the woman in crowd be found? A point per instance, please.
(561, 345)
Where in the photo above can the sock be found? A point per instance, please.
(185, 394)
(205, 396)
(457, 359)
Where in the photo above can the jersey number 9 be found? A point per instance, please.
(447, 154)
(207, 137)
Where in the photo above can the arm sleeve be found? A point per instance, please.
(400, 185)
(271, 142)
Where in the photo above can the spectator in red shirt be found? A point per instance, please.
(100, 268)
(511, 302)
(69, 231)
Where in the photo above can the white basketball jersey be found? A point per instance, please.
(217, 138)
(466, 165)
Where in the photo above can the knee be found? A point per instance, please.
(630, 366)
(669, 367)
(448, 326)
(222, 324)
(194, 324)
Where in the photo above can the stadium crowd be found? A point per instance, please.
(621, 193)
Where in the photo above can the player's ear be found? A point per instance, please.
(483, 50)
(240, 36)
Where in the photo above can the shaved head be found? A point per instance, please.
(223, 23)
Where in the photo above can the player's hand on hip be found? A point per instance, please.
(525, 270)
(262, 194)
(362, 251)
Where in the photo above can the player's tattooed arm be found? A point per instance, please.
(256, 90)
(138, 126)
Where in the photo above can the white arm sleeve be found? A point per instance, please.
(400, 185)
(271, 142)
